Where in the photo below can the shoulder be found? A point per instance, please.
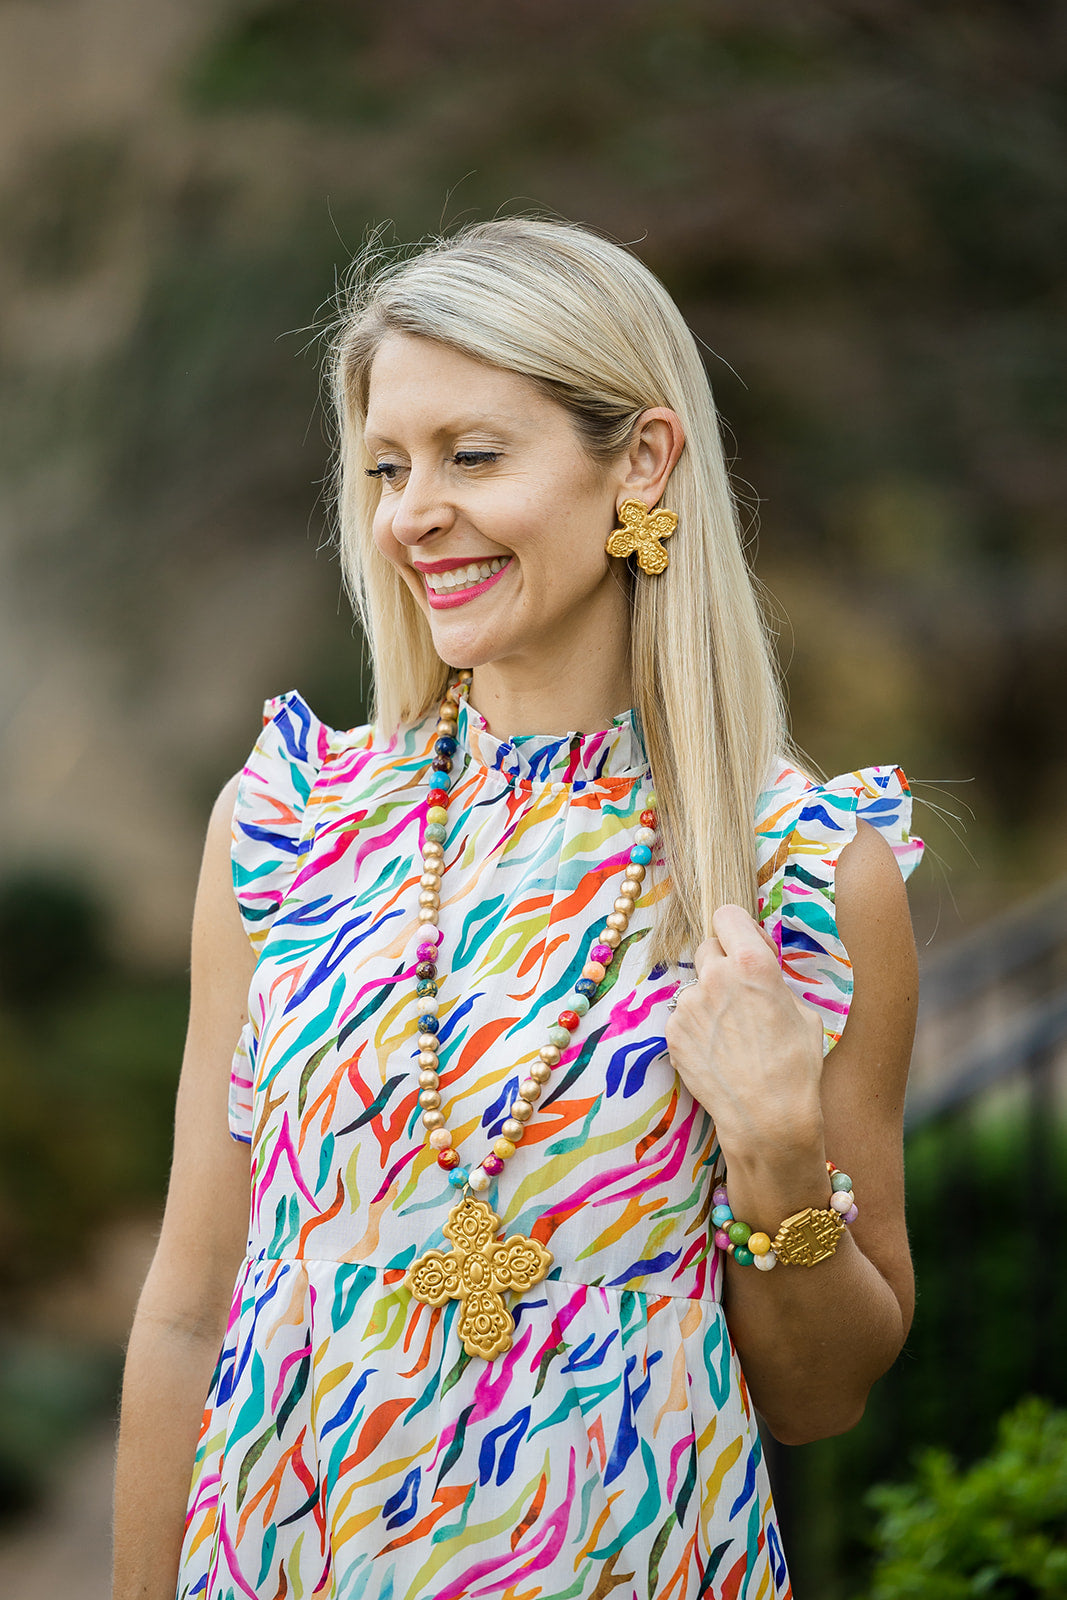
(269, 807)
(831, 860)
(798, 814)
(873, 916)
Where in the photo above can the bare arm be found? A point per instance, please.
(812, 1341)
(181, 1316)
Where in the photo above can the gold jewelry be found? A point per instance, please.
(480, 1268)
(808, 1237)
(641, 533)
(476, 1272)
(802, 1240)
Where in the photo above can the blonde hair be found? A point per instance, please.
(584, 319)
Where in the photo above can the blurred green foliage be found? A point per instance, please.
(991, 1304)
(49, 1390)
(89, 1058)
(51, 938)
(87, 1083)
(998, 1529)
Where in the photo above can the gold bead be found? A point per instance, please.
(530, 1090)
(618, 919)
(631, 889)
(540, 1072)
(522, 1110)
(504, 1148)
(429, 1041)
(611, 937)
(428, 914)
(635, 870)
(430, 880)
(624, 904)
(549, 1055)
(512, 1130)
(429, 1099)
(433, 848)
(429, 897)
(432, 1119)
(428, 1078)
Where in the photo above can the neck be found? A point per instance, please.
(581, 694)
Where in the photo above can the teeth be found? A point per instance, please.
(463, 577)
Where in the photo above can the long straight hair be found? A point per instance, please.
(585, 320)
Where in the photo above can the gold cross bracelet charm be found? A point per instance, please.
(476, 1272)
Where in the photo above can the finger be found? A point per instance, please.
(706, 953)
(737, 931)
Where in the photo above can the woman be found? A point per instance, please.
(521, 1001)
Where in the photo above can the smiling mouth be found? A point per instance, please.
(463, 583)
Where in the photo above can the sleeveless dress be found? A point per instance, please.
(350, 1448)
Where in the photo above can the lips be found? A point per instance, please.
(459, 593)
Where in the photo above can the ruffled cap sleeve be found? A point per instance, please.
(801, 829)
(269, 815)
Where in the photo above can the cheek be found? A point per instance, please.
(382, 536)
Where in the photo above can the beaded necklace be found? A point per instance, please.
(479, 1268)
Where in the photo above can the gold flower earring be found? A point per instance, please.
(641, 533)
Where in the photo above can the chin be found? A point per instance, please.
(462, 648)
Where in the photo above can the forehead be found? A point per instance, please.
(419, 384)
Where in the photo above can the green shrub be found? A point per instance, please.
(998, 1529)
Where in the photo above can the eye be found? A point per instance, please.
(384, 469)
(475, 458)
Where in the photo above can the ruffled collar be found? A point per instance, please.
(616, 752)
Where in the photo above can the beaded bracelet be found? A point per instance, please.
(802, 1240)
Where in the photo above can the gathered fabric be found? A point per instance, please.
(350, 1448)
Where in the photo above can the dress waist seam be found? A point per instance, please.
(566, 1283)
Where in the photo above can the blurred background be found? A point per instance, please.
(861, 208)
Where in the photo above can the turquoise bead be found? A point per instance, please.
(721, 1215)
(425, 986)
(840, 1182)
(580, 1003)
(560, 1037)
(458, 1177)
(742, 1256)
(437, 831)
(641, 853)
(440, 780)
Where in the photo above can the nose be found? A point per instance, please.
(420, 510)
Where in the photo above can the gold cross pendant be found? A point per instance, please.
(476, 1272)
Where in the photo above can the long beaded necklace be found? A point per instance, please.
(479, 1268)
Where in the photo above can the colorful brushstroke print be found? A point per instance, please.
(350, 1448)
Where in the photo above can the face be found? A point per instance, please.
(491, 511)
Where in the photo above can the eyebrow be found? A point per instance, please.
(462, 424)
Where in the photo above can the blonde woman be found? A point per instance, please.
(533, 1177)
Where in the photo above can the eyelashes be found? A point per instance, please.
(387, 470)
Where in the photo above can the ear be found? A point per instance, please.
(657, 441)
